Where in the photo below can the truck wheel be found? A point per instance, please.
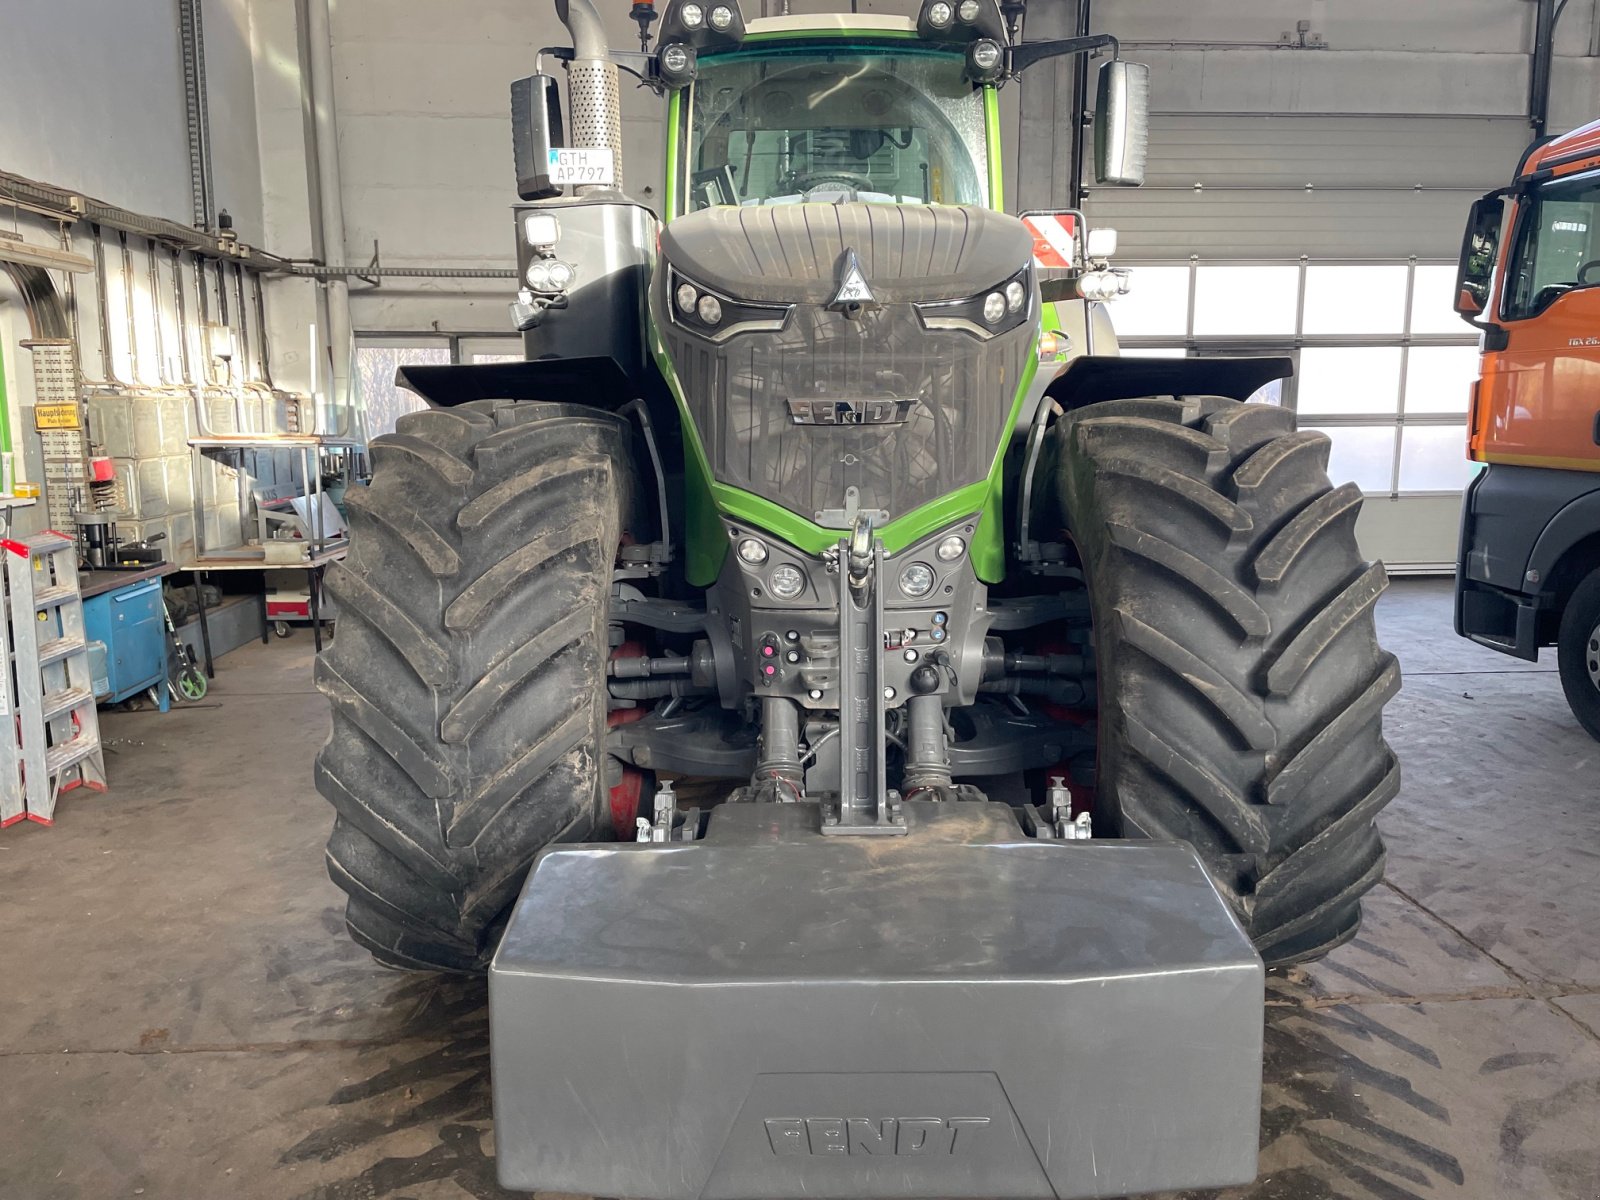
(1578, 653)
(468, 680)
(1241, 681)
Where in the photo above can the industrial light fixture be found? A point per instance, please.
(14, 250)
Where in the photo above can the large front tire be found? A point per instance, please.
(1241, 681)
(1578, 653)
(468, 679)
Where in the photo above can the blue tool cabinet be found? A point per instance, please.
(129, 621)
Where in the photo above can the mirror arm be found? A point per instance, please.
(1024, 56)
(637, 63)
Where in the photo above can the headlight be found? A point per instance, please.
(951, 549)
(940, 15)
(984, 58)
(786, 582)
(994, 310)
(541, 229)
(678, 64)
(916, 580)
(550, 275)
(968, 11)
(721, 17)
(753, 551)
(692, 16)
(718, 318)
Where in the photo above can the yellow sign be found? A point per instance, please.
(55, 416)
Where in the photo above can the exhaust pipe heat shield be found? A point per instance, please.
(961, 1012)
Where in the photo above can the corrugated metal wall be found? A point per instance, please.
(1281, 186)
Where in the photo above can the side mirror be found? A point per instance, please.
(1122, 123)
(535, 131)
(1479, 247)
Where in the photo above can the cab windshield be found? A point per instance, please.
(832, 125)
(1558, 245)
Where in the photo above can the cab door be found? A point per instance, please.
(1539, 400)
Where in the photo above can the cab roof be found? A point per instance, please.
(1567, 151)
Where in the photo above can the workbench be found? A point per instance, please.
(312, 564)
(123, 610)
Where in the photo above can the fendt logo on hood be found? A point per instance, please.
(853, 294)
(905, 1137)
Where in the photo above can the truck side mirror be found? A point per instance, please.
(535, 131)
(1122, 123)
(1479, 247)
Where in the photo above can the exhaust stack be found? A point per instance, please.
(592, 90)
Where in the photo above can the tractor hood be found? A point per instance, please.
(792, 253)
(832, 356)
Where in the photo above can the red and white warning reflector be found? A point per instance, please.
(1055, 242)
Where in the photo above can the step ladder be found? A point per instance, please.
(55, 710)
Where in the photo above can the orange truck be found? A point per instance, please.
(1528, 572)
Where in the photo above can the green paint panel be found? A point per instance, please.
(991, 126)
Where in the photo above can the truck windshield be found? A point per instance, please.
(830, 125)
(1558, 245)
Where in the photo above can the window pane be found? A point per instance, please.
(1433, 302)
(1268, 393)
(1439, 378)
(1157, 303)
(1559, 238)
(1154, 352)
(1246, 301)
(496, 358)
(1360, 299)
(1433, 458)
(1362, 454)
(1348, 380)
(375, 367)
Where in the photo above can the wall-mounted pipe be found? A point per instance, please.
(185, 361)
(327, 203)
(128, 309)
(1544, 39)
(153, 262)
(323, 272)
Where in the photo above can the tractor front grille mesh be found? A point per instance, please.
(738, 393)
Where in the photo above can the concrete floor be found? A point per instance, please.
(181, 1015)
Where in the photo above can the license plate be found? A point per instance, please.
(581, 164)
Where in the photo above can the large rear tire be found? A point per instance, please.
(468, 679)
(1241, 681)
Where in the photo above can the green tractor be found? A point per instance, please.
(921, 722)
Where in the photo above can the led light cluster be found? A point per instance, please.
(550, 275)
(1003, 308)
(717, 317)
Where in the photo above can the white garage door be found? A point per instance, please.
(1332, 240)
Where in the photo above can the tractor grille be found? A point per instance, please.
(739, 394)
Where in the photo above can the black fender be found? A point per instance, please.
(1093, 378)
(1577, 521)
(597, 381)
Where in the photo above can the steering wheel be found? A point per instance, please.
(1583, 272)
(814, 181)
